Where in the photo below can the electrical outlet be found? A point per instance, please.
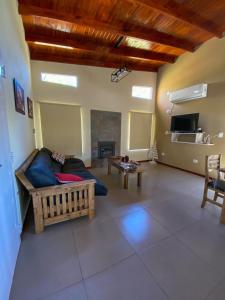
(195, 161)
(163, 154)
(220, 135)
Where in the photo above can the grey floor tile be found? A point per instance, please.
(127, 221)
(121, 202)
(47, 262)
(141, 230)
(173, 217)
(218, 293)
(101, 215)
(75, 292)
(126, 280)
(207, 239)
(99, 246)
(179, 271)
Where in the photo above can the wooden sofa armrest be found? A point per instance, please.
(24, 181)
(63, 202)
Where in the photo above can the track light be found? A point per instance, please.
(119, 74)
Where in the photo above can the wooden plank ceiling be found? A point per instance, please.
(139, 34)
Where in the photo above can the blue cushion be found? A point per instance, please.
(40, 171)
(100, 189)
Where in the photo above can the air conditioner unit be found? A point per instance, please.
(190, 93)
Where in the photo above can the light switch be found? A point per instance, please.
(2, 71)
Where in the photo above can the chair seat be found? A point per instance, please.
(217, 184)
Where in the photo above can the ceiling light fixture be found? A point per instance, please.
(53, 45)
(119, 74)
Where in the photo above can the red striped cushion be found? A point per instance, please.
(66, 178)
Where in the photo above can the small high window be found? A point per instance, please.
(143, 92)
(68, 80)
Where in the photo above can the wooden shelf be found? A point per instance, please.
(181, 133)
(197, 137)
(192, 143)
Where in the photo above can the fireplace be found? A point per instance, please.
(105, 136)
(106, 149)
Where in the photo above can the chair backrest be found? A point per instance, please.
(212, 166)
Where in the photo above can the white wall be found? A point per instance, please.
(95, 91)
(15, 56)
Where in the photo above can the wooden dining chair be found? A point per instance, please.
(214, 183)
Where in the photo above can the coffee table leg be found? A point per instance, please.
(139, 179)
(125, 181)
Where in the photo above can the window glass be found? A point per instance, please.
(59, 79)
(143, 92)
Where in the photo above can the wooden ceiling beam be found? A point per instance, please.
(90, 46)
(151, 35)
(143, 54)
(36, 54)
(182, 13)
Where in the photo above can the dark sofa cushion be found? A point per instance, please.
(40, 171)
(100, 189)
(56, 167)
(73, 164)
(217, 184)
(76, 166)
(46, 150)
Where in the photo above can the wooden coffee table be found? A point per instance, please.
(115, 162)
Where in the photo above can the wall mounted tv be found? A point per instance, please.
(185, 123)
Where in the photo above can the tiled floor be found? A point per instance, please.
(151, 243)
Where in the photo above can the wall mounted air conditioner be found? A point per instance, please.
(190, 93)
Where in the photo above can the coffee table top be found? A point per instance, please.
(116, 160)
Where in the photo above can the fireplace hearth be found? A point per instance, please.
(106, 149)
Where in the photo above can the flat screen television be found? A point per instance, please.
(184, 123)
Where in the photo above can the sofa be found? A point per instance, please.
(54, 202)
(41, 172)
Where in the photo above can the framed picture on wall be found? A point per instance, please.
(30, 108)
(19, 97)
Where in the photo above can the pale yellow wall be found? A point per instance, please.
(95, 91)
(14, 55)
(207, 65)
(140, 130)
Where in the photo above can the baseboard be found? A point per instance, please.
(181, 169)
(89, 167)
(141, 161)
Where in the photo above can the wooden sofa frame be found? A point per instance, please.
(58, 203)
